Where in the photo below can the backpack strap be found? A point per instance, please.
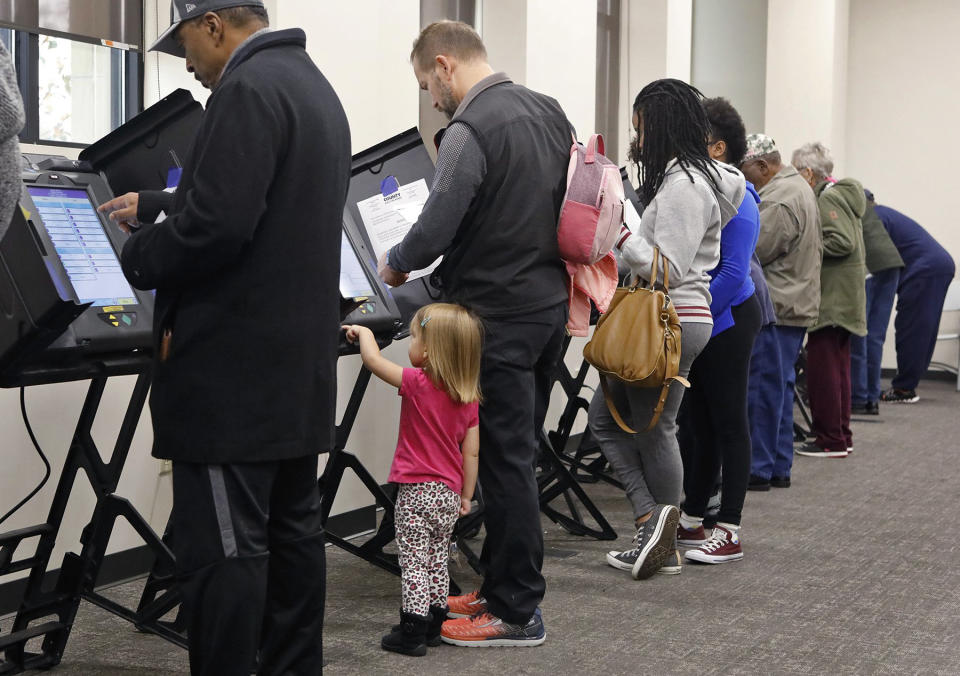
(594, 145)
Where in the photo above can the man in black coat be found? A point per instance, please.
(246, 268)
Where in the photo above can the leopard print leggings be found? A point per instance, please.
(424, 519)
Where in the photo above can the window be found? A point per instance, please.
(74, 91)
(76, 101)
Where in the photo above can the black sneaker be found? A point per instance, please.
(895, 396)
(758, 483)
(866, 408)
(780, 481)
(653, 544)
(811, 450)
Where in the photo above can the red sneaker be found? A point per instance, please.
(691, 538)
(722, 547)
(466, 605)
(483, 630)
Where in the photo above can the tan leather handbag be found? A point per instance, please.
(637, 341)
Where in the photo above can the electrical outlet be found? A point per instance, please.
(166, 466)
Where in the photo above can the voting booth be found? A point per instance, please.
(389, 186)
(68, 314)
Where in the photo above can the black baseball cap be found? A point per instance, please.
(184, 10)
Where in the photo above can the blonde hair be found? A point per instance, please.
(453, 339)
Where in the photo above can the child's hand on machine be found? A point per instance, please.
(354, 331)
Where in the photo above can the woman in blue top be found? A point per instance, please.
(714, 429)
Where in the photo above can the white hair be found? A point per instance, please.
(815, 157)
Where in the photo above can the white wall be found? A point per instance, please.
(562, 56)
(903, 104)
(806, 74)
(730, 55)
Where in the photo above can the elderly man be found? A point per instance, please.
(789, 248)
(246, 324)
(492, 213)
(842, 302)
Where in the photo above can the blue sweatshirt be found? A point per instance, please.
(922, 255)
(731, 283)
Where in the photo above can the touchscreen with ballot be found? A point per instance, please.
(389, 215)
(82, 246)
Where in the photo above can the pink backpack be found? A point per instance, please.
(592, 209)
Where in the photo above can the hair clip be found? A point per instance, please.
(423, 322)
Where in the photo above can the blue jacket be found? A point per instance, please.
(922, 255)
(731, 283)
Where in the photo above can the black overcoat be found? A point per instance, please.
(246, 266)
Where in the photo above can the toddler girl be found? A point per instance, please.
(435, 463)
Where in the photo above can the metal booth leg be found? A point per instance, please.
(50, 614)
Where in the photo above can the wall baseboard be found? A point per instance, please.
(136, 562)
(931, 374)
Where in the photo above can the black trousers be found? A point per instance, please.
(251, 564)
(714, 429)
(520, 356)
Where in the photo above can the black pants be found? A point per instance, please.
(520, 355)
(714, 427)
(251, 563)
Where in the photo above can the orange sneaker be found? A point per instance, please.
(466, 605)
(485, 630)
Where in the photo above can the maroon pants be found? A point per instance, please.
(828, 384)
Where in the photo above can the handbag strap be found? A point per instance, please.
(654, 269)
(664, 393)
(612, 407)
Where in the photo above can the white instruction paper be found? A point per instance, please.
(388, 219)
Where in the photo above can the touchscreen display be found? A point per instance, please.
(354, 282)
(82, 245)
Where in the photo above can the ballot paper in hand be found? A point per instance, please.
(388, 218)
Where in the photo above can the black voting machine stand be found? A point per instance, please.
(57, 327)
(405, 158)
(51, 337)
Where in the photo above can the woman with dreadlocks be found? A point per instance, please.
(689, 197)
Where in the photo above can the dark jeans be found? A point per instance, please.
(828, 384)
(919, 306)
(520, 356)
(714, 430)
(770, 399)
(866, 353)
(251, 564)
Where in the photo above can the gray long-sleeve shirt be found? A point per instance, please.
(461, 168)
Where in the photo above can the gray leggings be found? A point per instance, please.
(648, 463)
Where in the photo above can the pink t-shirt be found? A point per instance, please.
(432, 426)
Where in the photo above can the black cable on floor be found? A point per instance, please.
(36, 445)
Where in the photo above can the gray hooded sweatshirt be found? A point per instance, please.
(684, 221)
(11, 122)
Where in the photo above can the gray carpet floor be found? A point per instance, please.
(853, 570)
